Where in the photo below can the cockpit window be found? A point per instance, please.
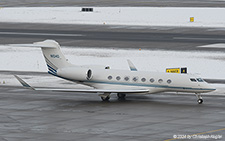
(200, 80)
(193, 80)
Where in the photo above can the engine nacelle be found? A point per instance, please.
(76, 73)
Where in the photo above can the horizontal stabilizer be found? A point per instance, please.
(43, 44)
(30, 45)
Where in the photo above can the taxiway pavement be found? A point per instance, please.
(30, 115)
(103, 36)
(108, 3)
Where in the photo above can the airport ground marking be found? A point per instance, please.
(212, 131)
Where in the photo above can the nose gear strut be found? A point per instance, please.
(200, 100)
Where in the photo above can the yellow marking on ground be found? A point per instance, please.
(198, 134)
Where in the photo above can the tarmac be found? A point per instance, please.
(112, 3)
(104, 36)
(30, 115)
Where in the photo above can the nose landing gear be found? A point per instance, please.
(200, 100)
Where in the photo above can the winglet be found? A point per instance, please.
(131, 65)
(24, 83)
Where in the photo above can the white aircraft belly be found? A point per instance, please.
(117, 87)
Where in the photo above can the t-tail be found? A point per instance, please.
(53, 56)
(52, 53)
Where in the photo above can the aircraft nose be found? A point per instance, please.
(210, 88)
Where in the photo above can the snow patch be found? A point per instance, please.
(141, 16)
(220, 45)
(208, 64)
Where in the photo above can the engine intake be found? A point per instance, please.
(89, 74)
(76, 73)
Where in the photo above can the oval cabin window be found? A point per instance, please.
(169, 81)
(135, 79)
(143, 79)
(110, 77)
(160, 80)
(151, 80)
(126, 78)
(118, 78)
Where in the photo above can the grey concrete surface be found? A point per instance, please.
(141, 3)
(168, 38)
(33, 116)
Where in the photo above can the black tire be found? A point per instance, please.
(200, 101)
(105, 98)
(121, 96)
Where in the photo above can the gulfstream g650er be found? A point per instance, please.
(106, 81)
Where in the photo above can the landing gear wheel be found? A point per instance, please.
(121, 96)
(105, 98)
(200, 101)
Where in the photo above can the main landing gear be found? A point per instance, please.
(200, 100)
(121, 96)
(105, 96)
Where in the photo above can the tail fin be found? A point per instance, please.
(53, 55)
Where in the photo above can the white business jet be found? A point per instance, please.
(106, 81)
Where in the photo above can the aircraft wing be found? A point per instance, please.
(83, 90)
(95, 90)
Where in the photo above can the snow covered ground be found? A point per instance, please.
(209, 65)
(142, 16)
